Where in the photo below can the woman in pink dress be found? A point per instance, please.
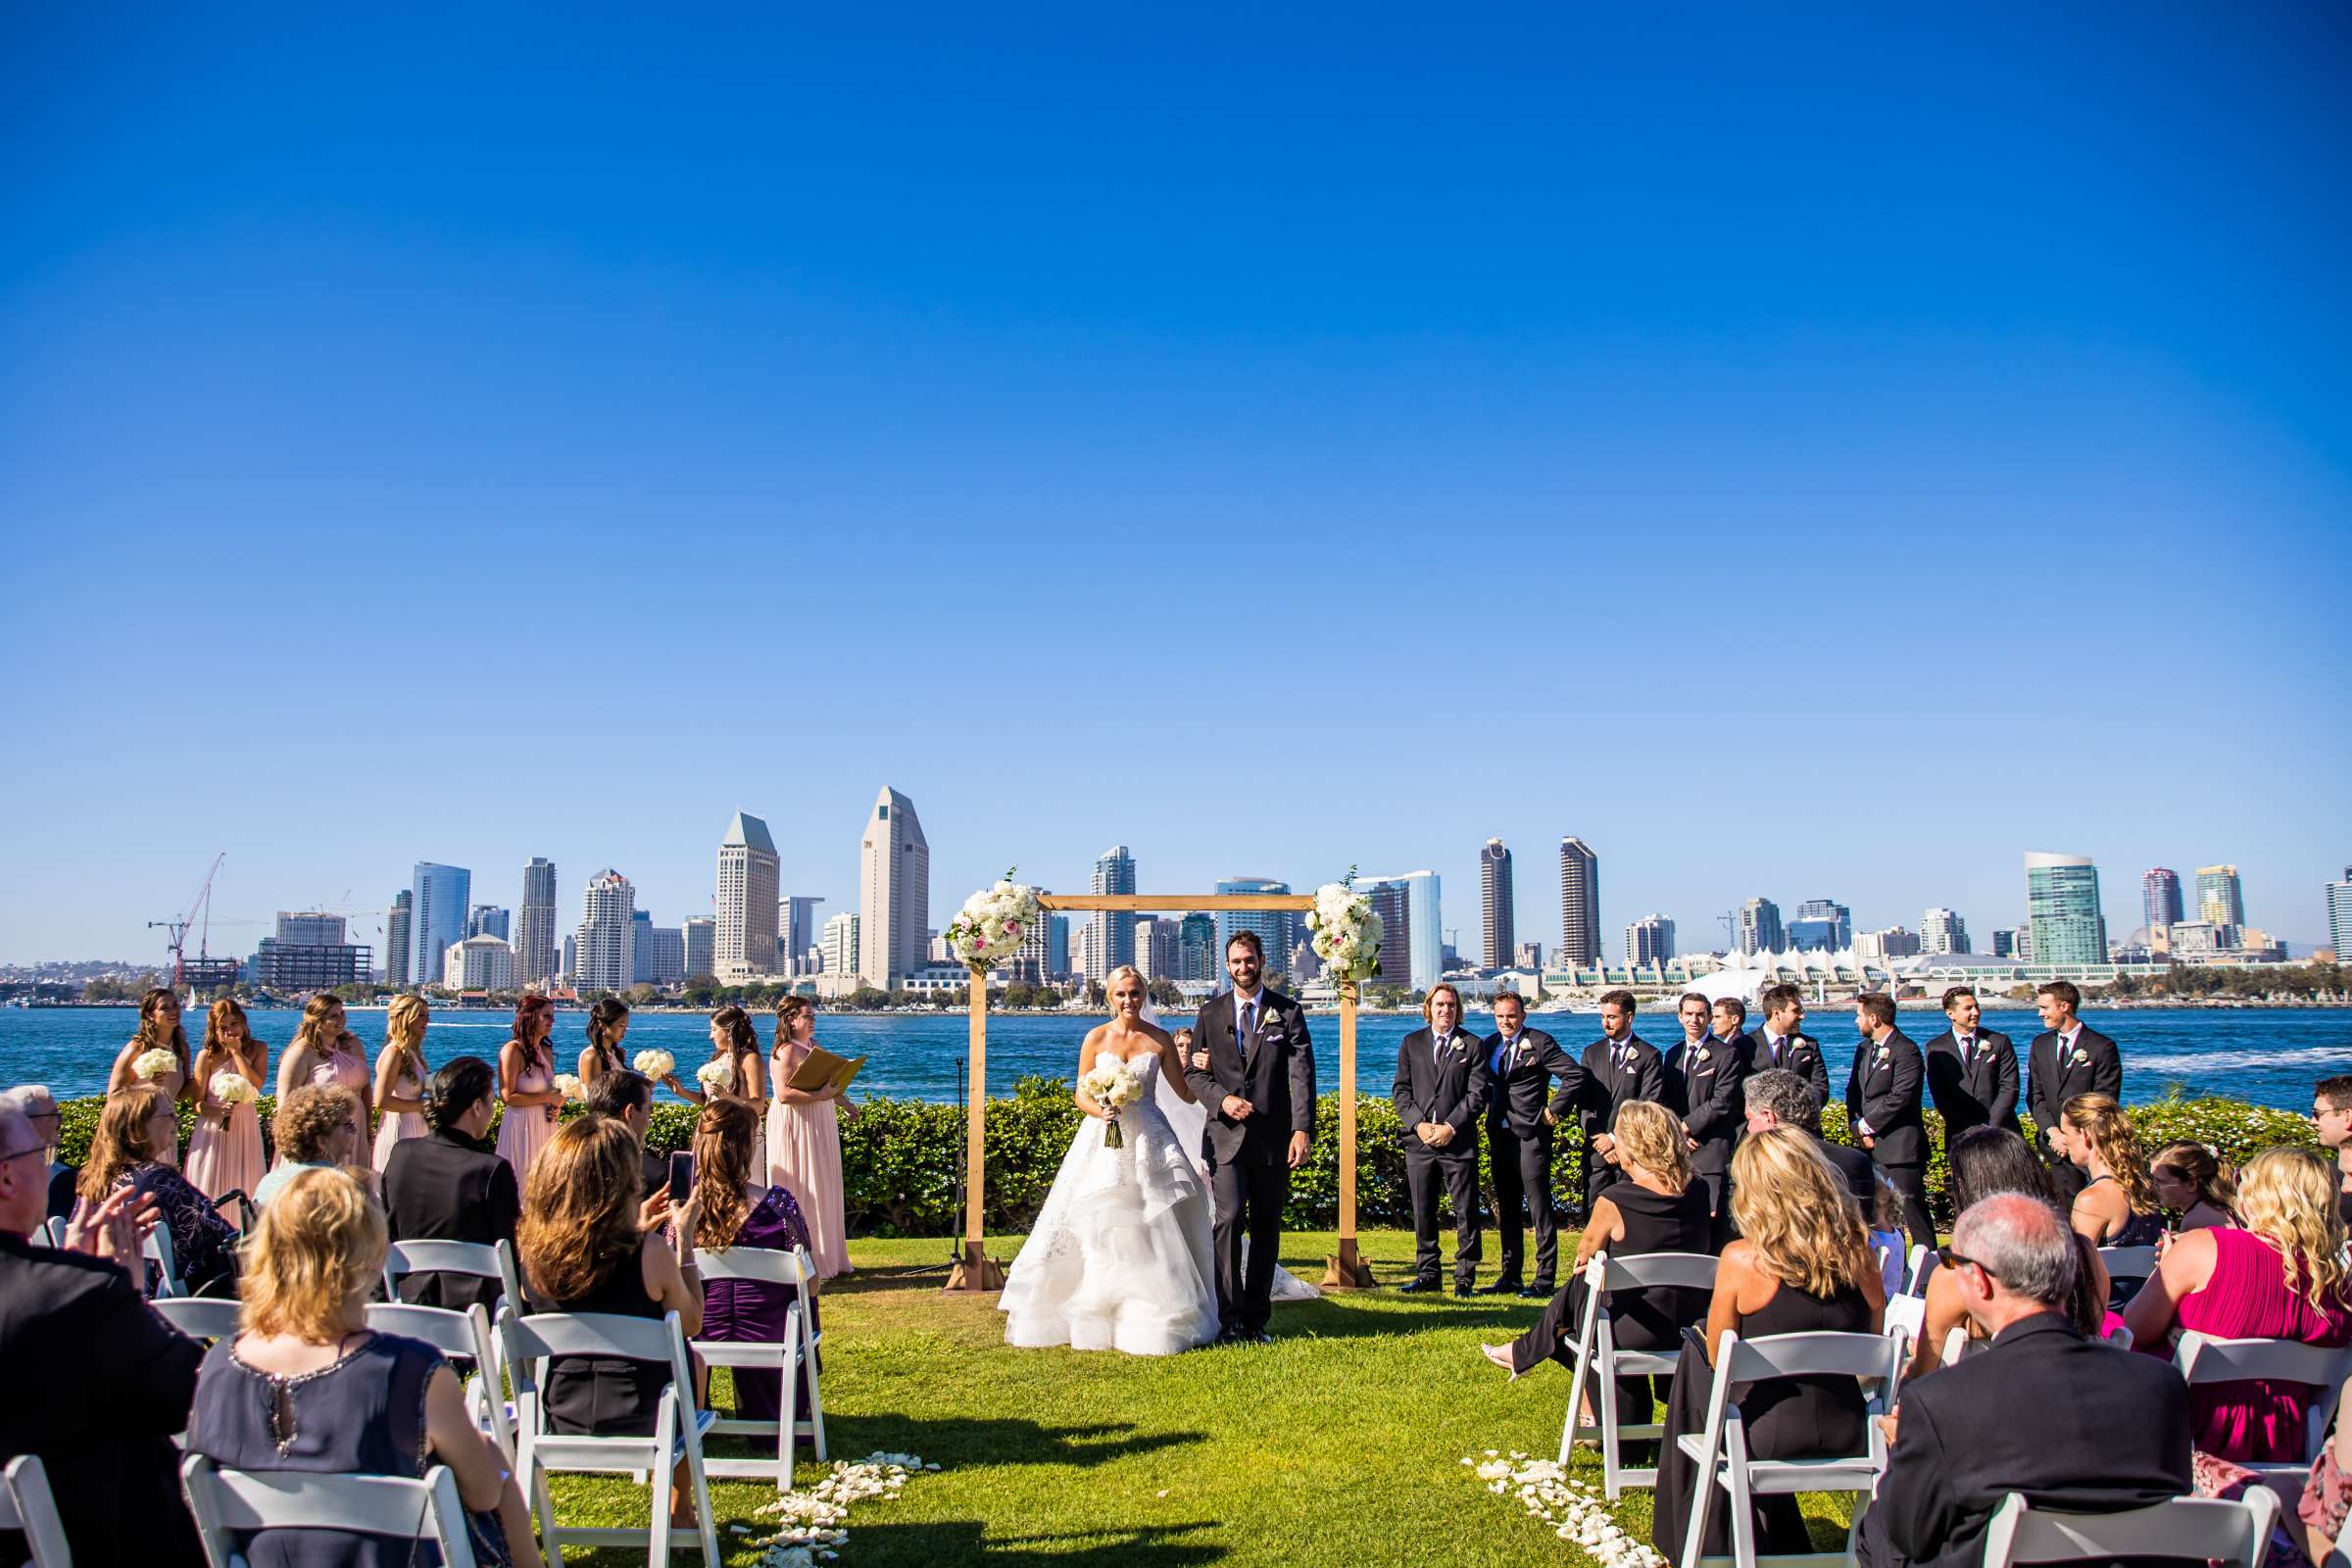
(400, 1075)
(526, 1081)
(804, 1141)
(159, 1030)
(224, 1151)
(2279, 1278)
(324, 1052)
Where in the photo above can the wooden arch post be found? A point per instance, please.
(976, 1270)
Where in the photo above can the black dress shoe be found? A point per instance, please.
(1499, 1288)
(1262, 1337)
(1540, 1290)
(1411, 1286)
(1462, 1291)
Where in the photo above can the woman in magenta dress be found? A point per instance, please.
(324, 1052)
(526, 1081)
(804, 1139)
(740, 1210)
(224, 1151)
(400, 1075)
(2279, 1278)
(159, 1030)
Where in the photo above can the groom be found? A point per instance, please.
(1252, 1069)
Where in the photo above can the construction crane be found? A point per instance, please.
(199, 906)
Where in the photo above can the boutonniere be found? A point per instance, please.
(1705, 1055)
(1886, 1055)
(2080, 1057)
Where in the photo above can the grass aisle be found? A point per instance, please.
(1340, 1442)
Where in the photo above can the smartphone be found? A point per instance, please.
(681, 1176)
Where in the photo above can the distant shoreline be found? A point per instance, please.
(1655, 1006)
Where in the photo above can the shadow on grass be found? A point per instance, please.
(953, 1441)
(970, 1541)
(1336, 1317)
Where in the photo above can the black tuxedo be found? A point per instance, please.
(97, 1384)
(1977, 1090)
(1703, 1088)
(1884, 1091)
(2051, 1083)
(1449, 1086)
(1273, 1068)
(1606, 1087)
(1800, 1054)
(2073, 1425)
(1519, 1142)
(445, 1187)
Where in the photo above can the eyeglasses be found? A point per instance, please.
(2317, 1111)
(1946, 1258)
(19, 1154)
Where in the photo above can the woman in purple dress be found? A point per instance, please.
(739, 1208)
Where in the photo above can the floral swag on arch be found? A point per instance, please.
(1346, 932)
(993, 924)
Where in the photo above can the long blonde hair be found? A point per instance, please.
(1793, 1207)
(403, 1030)
(308, 1264)
(2100, 1119)
(2287, 1197)
(217, 1053)
(310, 1033)
(1652, 1137)
(579, 1207)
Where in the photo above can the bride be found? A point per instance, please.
(1120, 1257)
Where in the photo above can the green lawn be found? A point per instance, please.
(1338, 1444)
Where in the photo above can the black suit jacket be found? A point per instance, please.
(1274, 1070)
(1884, 1090)
(1980, 1091)
(2051, 1083)
(2073, 1425)
(1861, 1176)
(1450, 1088)
(1802, 1054)
(1519, 1093)
(1706, 1086)
(444, 1187)
(97, 1384)
(1606, 1088)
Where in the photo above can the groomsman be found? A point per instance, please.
(1782, 1044)
(1440, 1087)
(1882, 1109)
(1521, 1113)
(1972, 1072)
(1618, 1067)
(1731, 1026)
(2068, 1059)
(1703, 1073)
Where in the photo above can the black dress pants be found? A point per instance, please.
(1249, 1191)
(1522, 1166)
(1426, 1170)
(1911, 1183)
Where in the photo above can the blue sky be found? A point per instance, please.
(1805, 455)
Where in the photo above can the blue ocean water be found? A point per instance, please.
(2268, 1056)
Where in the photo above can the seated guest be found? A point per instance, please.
(451, 1186)
(2192, 1178)
(315, 1128)
(628, 1096)
(2042, 1411)
(96, 1384)
(592, 1243)
(1802, 1265)
(2117, 1205)
(305, 1385)
(1780, 1097)
(40, 1107)
(137, 1129)
(2279, 1278)
(739, 1208)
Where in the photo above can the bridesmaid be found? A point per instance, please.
(324, 1052)
(526, 1081)
(608, 1027)
(804, 1141)
(732, 1040)
(400, 1076)
(159, 1030)
(224, 1151)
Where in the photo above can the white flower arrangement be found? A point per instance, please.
(232, 1087)
(154, 1063)
(569, 1085)
(654, 1065)
(716, 1075)
(1574, 1509)
(993, 924)
(1114, 1085)
(1346, 932)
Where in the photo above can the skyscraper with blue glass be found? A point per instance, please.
(439, 898)
(2062, 909)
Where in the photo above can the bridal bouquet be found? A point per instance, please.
(1346, 932)
(716, 1075)
(654, 1065)
(569, 1085)
(993, 924)
(154, 1063)
(232, 1087)
(1115, 1086)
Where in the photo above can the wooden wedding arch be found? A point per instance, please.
(976, 1270)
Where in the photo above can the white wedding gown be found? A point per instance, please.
(1119, 1259)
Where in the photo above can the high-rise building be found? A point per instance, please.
(442, 895)
(399, 955)
(1411, 945)
(1157, 949)
(2004, 944)
(1277, 929)
(1057, 946)
(840, 944)
(1195, 948)
(1877, 947)
(535, 956)
(2219, 899)
(893, 880)
(658, 956)
(309, 928)
(488, 920)
(605, 956)
(1580, 906)
(1942, 933)
(1392, 900)
(2339, 916)
(2160, 897)
(744, 940)
(2062, 909)
(571, 962)
(698, 941)
(1649, 939)
(1528, 956)
(796, 931)
(480, 962)
(1821, 925)
(310, 966)
(1494, 902)
(1759, 928)
(1115, 872)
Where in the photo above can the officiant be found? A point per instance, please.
(1441, 1089)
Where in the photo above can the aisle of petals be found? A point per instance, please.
(815, 1521)
(1574, 1509)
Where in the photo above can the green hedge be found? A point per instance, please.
(900, 1156)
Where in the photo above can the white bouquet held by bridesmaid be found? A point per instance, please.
(993, 924)
(232, 1087)
(154, 1064)
(1115, 1086)
(716, 1075)
(654, 1065)
(569, 1085)
(1346, 932)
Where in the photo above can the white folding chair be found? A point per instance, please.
(2231, 1530)
(2321, 1368)
(2129, 1262)
(1921, 1264)
(27, 1506)
(227, 1504)
(53, 1233)
(1595, 1361)
(163, 1264)
(1721, 1447)
(466, 1335)
(479, 1259)
(198, 1317)
(678, 1426)
(1908, 1313)
(796, 1352)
